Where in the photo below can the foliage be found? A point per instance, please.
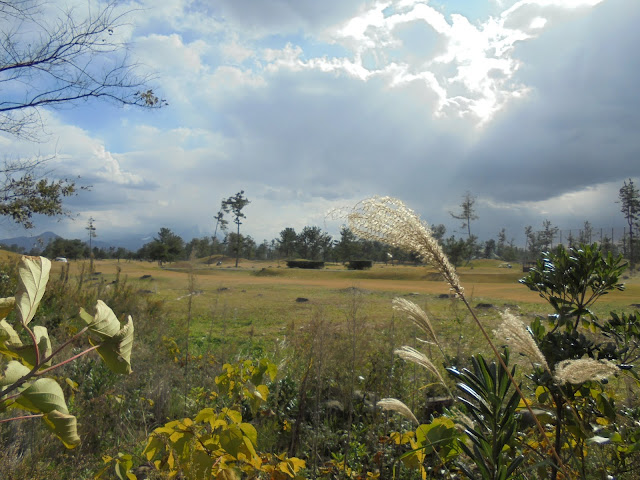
(71, 249)
(573, 280)
(313, 244)
(305, 264)
(492, 402)
(630, 206)
(235, 205)
(217, 443)
(166, 247)
(467, 212)
(56, 57)
(359, 264)
(24, 367)
(585, 411)
(25, 193)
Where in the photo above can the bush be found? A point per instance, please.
(360, 264)
(305, 264)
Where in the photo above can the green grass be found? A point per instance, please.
(255, 306)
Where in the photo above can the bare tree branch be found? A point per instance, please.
(50, 63)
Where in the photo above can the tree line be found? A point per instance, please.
(313, 243)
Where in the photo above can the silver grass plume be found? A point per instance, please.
(516, 335)
(584, 370)
(417, 315)
(396, 405)
(412, 355)
(388, 220)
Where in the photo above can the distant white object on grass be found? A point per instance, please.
(61, 259)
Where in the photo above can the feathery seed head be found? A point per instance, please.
(412, 355)
(416, 314)
(388, 220)
(399, 407)
(584, 370)
(516, 335)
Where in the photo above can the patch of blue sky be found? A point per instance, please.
(476, 11)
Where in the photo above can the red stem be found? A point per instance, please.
(24, 417)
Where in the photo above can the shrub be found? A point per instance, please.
(359, 264)
(305, 264)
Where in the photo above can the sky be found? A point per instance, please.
(531, 106)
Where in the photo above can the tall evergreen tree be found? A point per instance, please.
(234, 205)
(630, 207)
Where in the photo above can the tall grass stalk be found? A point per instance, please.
(353, 322)
(389, 220)
(191, 293)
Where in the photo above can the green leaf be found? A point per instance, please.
(64, 426)
(8, 337)
(201, 464)
(43, 396)
(228, 474)
(115, 341)
(28, 352)
(13, 371)
(6, 306)
(104, 324)
(116, 351)
(250, 432)
(33, 277)
(231, 440)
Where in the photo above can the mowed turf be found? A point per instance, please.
(253, 307)
(268, 294)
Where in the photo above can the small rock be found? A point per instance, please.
(485, 305)
(302, 299)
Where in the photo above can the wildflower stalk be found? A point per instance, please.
(389, 220)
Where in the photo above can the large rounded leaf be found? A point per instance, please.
(8, 337)
(32, 281)
(12, 372)
(116, 351)
(43, 396)
(64, 426)
(28, 353)
(6, 306)
(104, 324)
(115, 341)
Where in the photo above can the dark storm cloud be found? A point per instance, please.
(281, 17)
(579, 126)
(336, 136)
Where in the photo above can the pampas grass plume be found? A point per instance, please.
(412, 355)
(515, 334)
(584, 370)
(417, 315)
(399, 407)
(388, 220)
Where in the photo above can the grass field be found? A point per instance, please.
(254, 305)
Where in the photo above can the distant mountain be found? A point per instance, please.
(131, 242)
(29, 243)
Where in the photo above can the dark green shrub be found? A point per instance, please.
(359, 264)
(305, 264)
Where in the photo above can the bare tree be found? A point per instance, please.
(467, 212)
(57, 60)
(52, 58)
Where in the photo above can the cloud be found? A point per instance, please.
(307, 106)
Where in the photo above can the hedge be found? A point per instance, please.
(359, 264)
(305, 264)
